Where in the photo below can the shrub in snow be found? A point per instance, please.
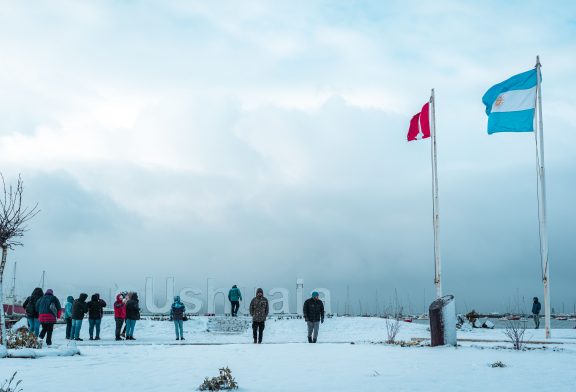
(23, 338)
(497, 364)
(392, 328)
(7, 385)
(224, 382)
(515, 330)
(392, 321)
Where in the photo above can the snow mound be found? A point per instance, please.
(23, 322)
(227, 325)
(67, 351)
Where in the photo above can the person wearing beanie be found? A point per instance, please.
(49, 310)
(259, 312)
(234, 296)
(177, 315)
(68, 315)
(313, 312)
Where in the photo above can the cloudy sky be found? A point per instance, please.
(256, 142)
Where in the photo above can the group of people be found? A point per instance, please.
(44, 309)
(313, 312)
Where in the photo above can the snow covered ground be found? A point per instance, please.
(157, 362)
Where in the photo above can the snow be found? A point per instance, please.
(157, 362)
(65, 351)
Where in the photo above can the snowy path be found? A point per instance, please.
(156, 362)
(299, 367)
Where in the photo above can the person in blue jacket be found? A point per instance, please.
(68, 315)
(234, 296)
(177, 315)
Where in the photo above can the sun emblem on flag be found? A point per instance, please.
(499, 101)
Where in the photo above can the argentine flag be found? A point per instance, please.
(510, 105)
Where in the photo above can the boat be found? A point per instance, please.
(13, 309)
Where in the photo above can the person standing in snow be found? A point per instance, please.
(119, 314)
(234, 296)
(259, 312)
(95, 312)
(536, 306)
(177, 315)
(31, 313)
(313, 312)
(49, 310)
(126, 296)
(132, 315)
(68, 315)
(79, 309)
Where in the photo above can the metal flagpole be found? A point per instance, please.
(539, 137)
(437, 281)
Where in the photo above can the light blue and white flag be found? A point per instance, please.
(510, 105)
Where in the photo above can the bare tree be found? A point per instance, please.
(392, 328)
(13, 219)
(515, 330)
(392, 320)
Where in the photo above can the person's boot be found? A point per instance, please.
(79, 339)
(91, 338)
(182, 338)
(177, 338)
(309, 339)
(313, 340)
(255, 341)
(118, 338)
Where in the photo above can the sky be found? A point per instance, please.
(258, 142)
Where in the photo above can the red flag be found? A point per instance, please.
(420, 124)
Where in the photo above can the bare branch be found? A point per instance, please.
(13, 216)
(515, 330)
(392, 321)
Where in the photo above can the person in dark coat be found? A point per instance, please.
(536, 306)
(177, 315)
(132, 315)
(234, 296)
(96, 307)
(119, 313)
(31, 313)
(79, 309)
(259, 311)
(313, 311)
(49, 310)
